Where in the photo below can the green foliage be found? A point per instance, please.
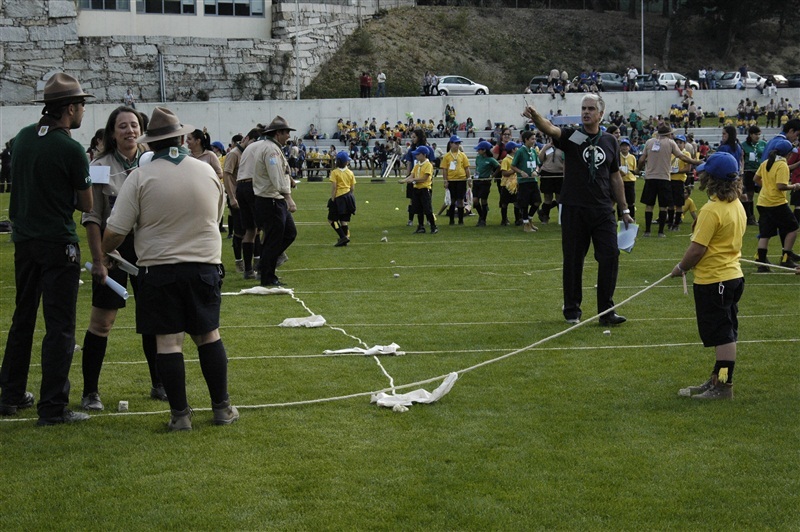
(583, 432)
(361, 42)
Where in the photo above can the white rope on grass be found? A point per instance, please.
(770, 266)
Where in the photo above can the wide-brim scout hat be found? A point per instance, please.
(664, 130)
(164, 124)
(278, 123)
(62, 87)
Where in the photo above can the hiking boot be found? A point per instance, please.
(662, 235)
(240, 266)
(434, 230)
(420, 230)
(92, 402)
(180, 420)
(283, 257)
(249, 274)
(752, 221)
(224, 413)
(505, 222)
(720, 390)
(763, 269)
(792, 255)
(695, 390)
(787, 262)
(527, 227)
(612, 318)
(410, 223)
(11, 409)
(158, 393)
(341, 242)
(481, 223)
(646, 234)
(68, 416)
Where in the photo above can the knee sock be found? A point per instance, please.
(421, 220)
(451, 212)
(173, 376)
(727, 364)
(517, 214)
(546, 209)
(670, 216)
(648, 221)
(150, 351)
(257, 245)
(479, 210)
(432, 221)
(662, 218)
(237, 247)
(410, 214)
(762, 255)
(214, 364)
(247, 253)
(461, 215)
(504, 213)
(94, 351)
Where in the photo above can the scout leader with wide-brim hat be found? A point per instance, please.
(164, 124)
(62, 89)
(278, 124)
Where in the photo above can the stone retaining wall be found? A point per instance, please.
(40, 37)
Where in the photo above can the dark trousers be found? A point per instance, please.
(43, 270)
(279, 232)
(581, 226)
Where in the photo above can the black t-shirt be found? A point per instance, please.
(579, 188)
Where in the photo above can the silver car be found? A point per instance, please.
(459, 86)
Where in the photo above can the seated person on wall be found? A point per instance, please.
(312, 134)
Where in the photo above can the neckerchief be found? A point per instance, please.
(175, 154)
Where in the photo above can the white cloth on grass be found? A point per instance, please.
(315, 320)
(391, 349)
(417, 396)
(260, 291)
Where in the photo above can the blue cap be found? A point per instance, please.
(625, 140)
(483, 145)
(682, 138)
(511, 145)
(218, 145)
(342, 156)
(422, 150)
(783, 147)
(721, 165)
(456, 139)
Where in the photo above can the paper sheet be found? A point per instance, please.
(626, 238)
(417, 396)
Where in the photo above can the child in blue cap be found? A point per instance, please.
(342, 204)
(714, 254)
(486, 168)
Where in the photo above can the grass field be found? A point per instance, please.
(583, 432)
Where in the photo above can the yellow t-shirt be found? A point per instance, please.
(456, 166)
(678, 168)
(423, 174)
(770, 196)
(510, 182)
(344, 179)
(689, 206)
(720, 228)
(627, 166)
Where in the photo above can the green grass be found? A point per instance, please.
(583, 432)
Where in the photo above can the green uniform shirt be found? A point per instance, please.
(485, 167)
(46, 171)
(526, 160)
(752, 154)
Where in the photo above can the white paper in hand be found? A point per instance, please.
(626, 238)
(100, 175)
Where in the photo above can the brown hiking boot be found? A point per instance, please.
(695, 390)
(180, 420)
(720, 390)
(224, 413)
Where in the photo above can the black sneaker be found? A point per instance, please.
(67, 417)
(787, 262)
(792, 255)
(763, 269)
(341, 242)
(158, 393)
(612, 318)
(419, 230)
(434, 230)
(11, 409)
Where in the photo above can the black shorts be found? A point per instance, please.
(247, 204)
(677, 194)
(506, 197)
(410, 191)
(794, 198)
(421, 201)
(342, 208)
(176, 298)
(104, 297)
(748, 183)
(458, 190)
(528, 196)
(235, 222)
(551, 183)
(774, 219)
(481, 188)
(657, 189)
(717, 307)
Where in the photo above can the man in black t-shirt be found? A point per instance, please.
(592, 184)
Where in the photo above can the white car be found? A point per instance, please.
(730, 80)
(460, 86)
(667, 81)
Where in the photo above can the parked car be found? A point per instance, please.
(793, 80)
(611, 81)
(645, 82)
(730, 80)
(778, 80)
(460, 86)
(668, 80)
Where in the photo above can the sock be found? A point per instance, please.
(451, 212)
(461, 215)
(546, 209)
(648, 221)
(432, 221)
(173, 376)
(421, 220)
(94, 351)
(150, 350)
(504, 213)
(257, 244)
(662, 218)
(729, 365)
(247, 252)
(670, 216)
(479, 210)
(214, 364)
(762, 255)
(748, 209)
(410, 214)
(237, 247)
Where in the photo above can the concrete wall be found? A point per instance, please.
(224, 119)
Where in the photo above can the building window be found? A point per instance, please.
(176, 7)
(235, 8)
(106, 5)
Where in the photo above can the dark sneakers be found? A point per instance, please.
(9, 410)
(612, 318)
(68, 416)
(158, 393)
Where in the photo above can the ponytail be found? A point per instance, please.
(771, 159)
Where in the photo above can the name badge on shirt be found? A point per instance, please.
(578, 138)
(43, 130)
(751, 156)
(452, 165)
(549, 151)
(656, 147)
(532, 165)
(623, 169)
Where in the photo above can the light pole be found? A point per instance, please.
(296, 48)
(642, 71)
